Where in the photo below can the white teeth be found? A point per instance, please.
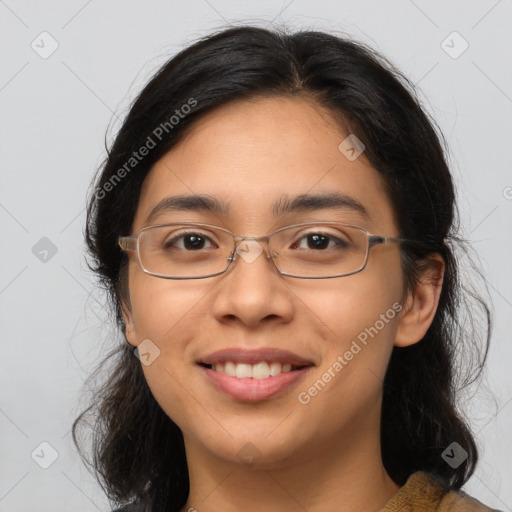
(275, 369)
(229, 368)
(261, 370)
(243, 371)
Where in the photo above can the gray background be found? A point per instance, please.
(54, 114)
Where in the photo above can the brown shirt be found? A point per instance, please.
(424, 492)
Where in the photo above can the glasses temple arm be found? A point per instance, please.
(376, 239)
(127, 243)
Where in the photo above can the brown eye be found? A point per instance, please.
(188, 242)
(320, 241)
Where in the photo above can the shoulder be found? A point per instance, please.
(425, 491)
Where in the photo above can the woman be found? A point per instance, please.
(275, 224)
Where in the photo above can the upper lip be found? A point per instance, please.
(254, 356)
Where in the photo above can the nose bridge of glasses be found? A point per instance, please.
(240, 239)
(238, 248)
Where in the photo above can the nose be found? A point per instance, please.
(252, 289)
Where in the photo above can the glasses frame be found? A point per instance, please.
(131, 244)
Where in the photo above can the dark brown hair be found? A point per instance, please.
(138, 451)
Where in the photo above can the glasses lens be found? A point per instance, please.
(184, 250)
(320, 250)
(313, 250)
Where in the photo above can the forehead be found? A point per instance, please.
(252, 154)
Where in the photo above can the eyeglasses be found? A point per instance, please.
(311, 250)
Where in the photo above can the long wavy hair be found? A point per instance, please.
(137, 451)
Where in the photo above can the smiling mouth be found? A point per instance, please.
(261, 370)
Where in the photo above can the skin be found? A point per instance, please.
(323, 456)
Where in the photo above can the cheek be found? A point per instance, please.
(161, 306)
(360, 322)
(359, 314)
(166, 312)
(349, 306)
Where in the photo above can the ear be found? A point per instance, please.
(129, 332)
(421, 304)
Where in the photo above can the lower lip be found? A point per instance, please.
(253, 390)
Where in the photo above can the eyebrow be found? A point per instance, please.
(284, 205)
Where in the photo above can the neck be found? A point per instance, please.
(342, 474)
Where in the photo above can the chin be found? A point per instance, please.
(257, 450)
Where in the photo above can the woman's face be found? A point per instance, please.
(251, 155)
